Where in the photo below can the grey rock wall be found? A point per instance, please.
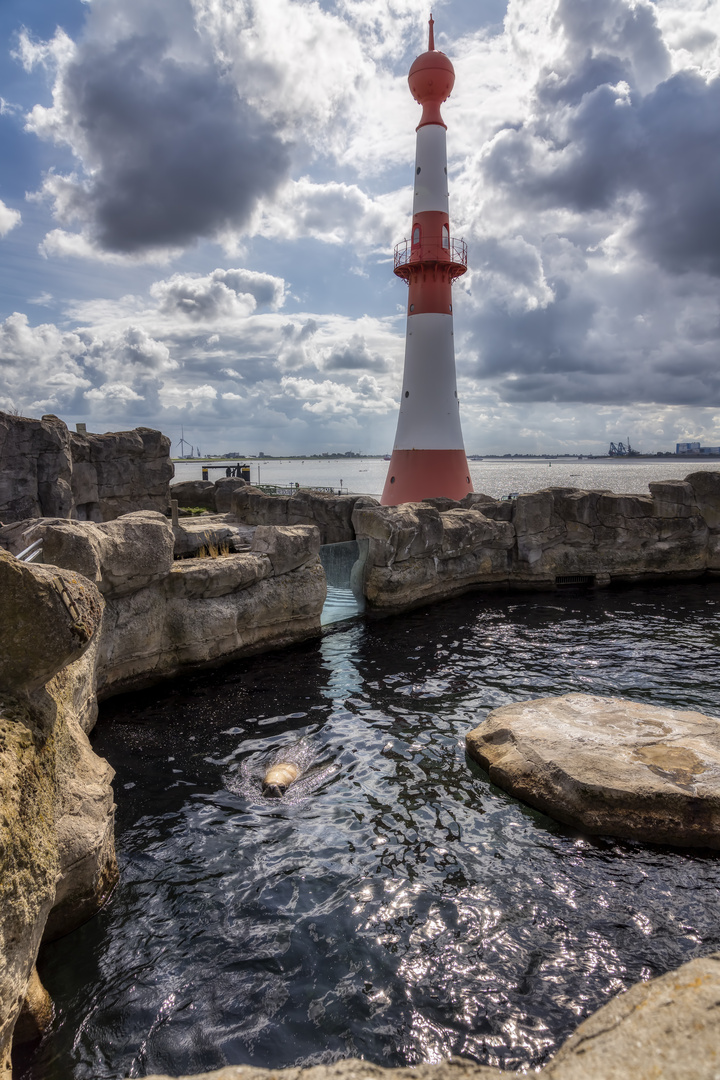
(35, 468)
(109, 610)
(215, 497)
(332, 514)
(120, 472)
(48, 471)
(421, 552)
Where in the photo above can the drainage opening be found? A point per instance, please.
(578, 581)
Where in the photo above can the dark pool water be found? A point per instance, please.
(395, 906)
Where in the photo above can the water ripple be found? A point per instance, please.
(394, 905)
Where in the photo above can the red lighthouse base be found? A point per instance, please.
(414, 475)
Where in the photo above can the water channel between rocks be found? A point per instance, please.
(394, 905)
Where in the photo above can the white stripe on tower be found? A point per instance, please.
(431, 182)
(428, 457)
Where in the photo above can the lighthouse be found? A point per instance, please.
(428, 457)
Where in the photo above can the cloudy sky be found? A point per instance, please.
(199, 200)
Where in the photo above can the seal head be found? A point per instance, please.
(278, 779)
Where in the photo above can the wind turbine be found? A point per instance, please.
(182, 443)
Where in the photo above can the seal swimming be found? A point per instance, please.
(278, 779)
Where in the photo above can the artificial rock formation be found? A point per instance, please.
(120, 472)
(47, 471)
(417, 554)
(215, 497)
(426, 551)
(608, 765)
(667, 1028)
(114, 611)
(56, 805)
(205, 612)
(332, 514)
(211, 533)
(35, 468)
(163, 614)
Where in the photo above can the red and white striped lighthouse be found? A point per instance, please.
(428, 458)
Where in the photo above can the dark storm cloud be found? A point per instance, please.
(607, 29)
(566, 352)
(663, 147)
(175, 155)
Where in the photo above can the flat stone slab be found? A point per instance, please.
(608, 765)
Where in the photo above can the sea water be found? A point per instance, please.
(497, 477)
(395, 905)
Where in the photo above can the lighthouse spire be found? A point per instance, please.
(428, 457)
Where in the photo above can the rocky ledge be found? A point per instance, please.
(46, 470)
(56, 803)
(114, 611)
(669, 1028)
(609, 766)
(422, 552)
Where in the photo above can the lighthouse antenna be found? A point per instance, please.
(431, 40)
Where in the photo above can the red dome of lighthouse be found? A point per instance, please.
(431, 80)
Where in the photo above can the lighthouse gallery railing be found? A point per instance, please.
(456, 252)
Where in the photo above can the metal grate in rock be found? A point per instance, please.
(582, 581)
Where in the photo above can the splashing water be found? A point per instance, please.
(245, 778)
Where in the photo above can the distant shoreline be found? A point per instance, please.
(664, 455)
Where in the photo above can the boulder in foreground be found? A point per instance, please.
(608, 765)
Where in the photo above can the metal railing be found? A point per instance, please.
(455, 253)
(31, 552)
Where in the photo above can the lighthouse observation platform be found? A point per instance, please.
(411, 258)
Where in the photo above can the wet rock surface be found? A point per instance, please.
(608, 766)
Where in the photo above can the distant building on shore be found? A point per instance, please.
(695, 448)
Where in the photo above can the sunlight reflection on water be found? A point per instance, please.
(397, 907)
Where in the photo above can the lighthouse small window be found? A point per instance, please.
(445, 237)
(416, 235)
(418, 170)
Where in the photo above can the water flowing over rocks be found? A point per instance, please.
(608, 765)
(48, 471)
(668, 1027)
